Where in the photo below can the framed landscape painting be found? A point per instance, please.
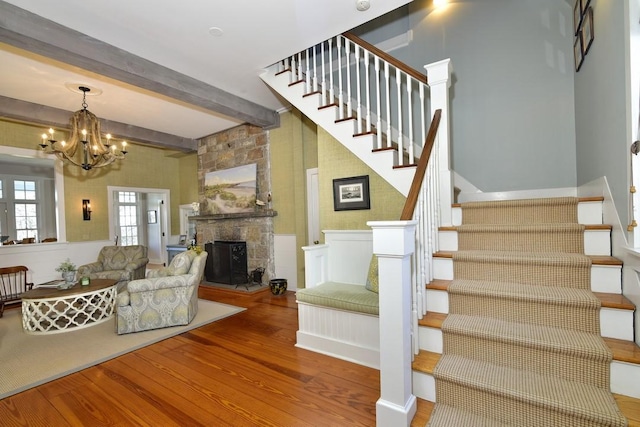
(231, 190)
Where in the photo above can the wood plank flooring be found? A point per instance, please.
(240, 371)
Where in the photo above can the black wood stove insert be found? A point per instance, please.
(227, 262)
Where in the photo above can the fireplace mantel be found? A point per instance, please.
(241, 215)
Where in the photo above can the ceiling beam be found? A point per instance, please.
(28, 112)
(33, 33)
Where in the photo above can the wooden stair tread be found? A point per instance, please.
(614, 301)
(425, 361)
(624, 351)
(432, 320)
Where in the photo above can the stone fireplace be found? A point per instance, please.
(239, 146)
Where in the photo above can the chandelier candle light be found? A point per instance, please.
(84, 134)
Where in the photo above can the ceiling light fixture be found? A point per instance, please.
(84, 134)
(362, 5)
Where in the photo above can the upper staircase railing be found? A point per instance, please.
(381, 94)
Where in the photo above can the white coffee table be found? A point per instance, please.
(51, 311)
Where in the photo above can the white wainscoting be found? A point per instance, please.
(347, 335)
(42, 258)
(285, 253)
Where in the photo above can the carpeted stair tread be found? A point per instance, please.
(561, 237)
(569, 308)
(543, 337)
(579, 400)
(523, 211)
(542, 258)
(561, 353)
(533, 268)
(542, 294)
(449, 416)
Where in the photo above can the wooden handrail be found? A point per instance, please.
(386, 57)
(414, 191)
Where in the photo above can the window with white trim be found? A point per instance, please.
(128, 214)
(25, 209)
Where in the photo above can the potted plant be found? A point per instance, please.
(68, 270)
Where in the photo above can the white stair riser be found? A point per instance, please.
(604, 278)
(596, 242)
(623, 381)
(424, 386)
(614, 323)
(588, 213)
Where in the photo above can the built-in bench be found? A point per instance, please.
(338, 308)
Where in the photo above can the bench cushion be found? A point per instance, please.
(342, 296)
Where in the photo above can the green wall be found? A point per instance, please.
(144, 167)
(293, 150)
(297, 145)
(335, 161)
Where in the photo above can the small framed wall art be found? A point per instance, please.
(351, 193)
(587, 31)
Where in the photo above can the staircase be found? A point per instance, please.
(354, 114)
(614, 321)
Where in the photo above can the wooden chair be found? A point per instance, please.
(13, 282)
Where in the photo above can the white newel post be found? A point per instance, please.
(439, 78)
(393, 244)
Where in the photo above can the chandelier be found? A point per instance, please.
(85, 147)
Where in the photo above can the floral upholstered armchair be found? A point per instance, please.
(121, 263)
(167, 297)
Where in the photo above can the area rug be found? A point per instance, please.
(32, 360)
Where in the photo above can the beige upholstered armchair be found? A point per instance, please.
(167, 297)
(121, 263)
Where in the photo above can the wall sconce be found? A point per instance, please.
(86, 209)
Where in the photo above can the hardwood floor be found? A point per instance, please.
(240, 371)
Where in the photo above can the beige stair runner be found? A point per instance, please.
(521, 343)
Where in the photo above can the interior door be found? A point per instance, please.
(313, 207)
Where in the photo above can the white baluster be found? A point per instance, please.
(307, 75)
(347, 49)
(423, 116)
(323, 84)
(388, 96)
(315, 69)
(410, 141)
(340, 88)
(358, 91)
(331, 93)
(299, 68)
(378, 105)
(367, 88)
(400, 139)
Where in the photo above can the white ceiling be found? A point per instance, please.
(176, 35)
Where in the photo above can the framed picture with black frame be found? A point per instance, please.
(351, 193)
(578, 55)
(587, 31)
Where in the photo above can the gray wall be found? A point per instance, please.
(513, 91)
(603, 134)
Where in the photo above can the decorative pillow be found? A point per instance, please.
(372, 276)
(180, 264)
